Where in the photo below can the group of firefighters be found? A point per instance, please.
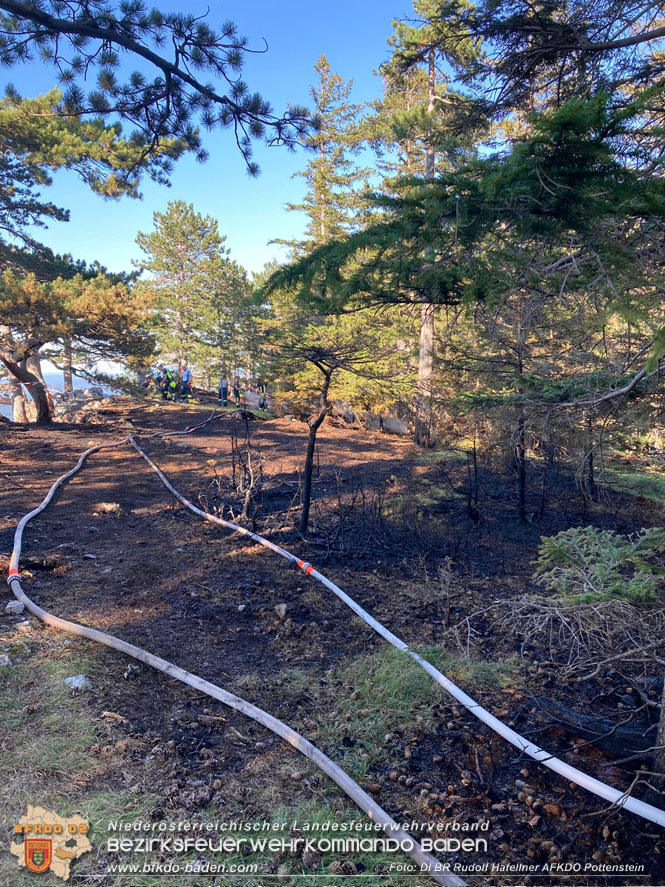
(178, 386)
(174, 385)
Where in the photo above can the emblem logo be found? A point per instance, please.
(38, 854)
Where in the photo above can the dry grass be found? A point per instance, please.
(46, 742)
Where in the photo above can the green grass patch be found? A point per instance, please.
(46, 737)
(313, 819)
(634, 483)
(45, 730)
(444, 456)
(45, 750)
(390, 690)
(430, 494)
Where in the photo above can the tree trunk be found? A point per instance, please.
(35, 386)
(620, 740)
(520, 462)
(423, 429)
(19, 413)
(590, 476)
(472, 496)
(67, 374)
(520, 438)
(656, 794)
(309, 458)
(321, 196)
(33, 364)
(423, 423)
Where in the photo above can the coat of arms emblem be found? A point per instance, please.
(38, 854)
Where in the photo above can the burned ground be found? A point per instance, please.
(117, 552)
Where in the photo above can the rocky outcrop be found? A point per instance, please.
(83, 406)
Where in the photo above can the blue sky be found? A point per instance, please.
(351, 33)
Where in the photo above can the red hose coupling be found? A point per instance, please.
(305, 567)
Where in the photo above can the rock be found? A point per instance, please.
(395, 426)
(4, 660)
(110, 508)
(280, 609)
(342, 410)
(14, 608)
(78, 682)
(23, 627)
(89, 557)
(241, 607)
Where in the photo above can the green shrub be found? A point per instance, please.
(590, 564)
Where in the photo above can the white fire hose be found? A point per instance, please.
(427, 863)
(607, 792)
(622, 800)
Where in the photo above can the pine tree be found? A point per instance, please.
(199, 298)
(172, 95)
(417, 48)
(179, 255)
(318, 356)
(538, 55)
(37, 138)
(101, 319)
(311, 350)
(225, 337)
(395, 126)
(332, 197)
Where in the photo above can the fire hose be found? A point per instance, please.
(620, 799)
(590, 783)
(427, 863)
